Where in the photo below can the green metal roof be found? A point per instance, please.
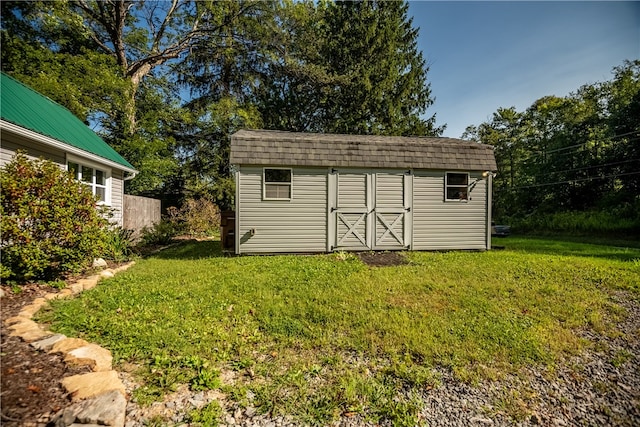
(23, 106)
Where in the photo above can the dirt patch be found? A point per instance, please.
(382, 259)
(31, 388)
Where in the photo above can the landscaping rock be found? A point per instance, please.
(93, 384)
(66, 292)
(66, 345)
(89, 283)
(107, 274)
(97, 358)
(99, 263)
(51, 296)
(76, 288)
(28, 331)
(47, 343)
(16, 319)
(105, 409)
(123, 267)
(33, 308)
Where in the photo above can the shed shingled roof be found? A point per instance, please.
(277, 148)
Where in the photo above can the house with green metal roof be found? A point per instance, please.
(43, 128)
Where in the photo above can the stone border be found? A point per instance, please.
(99, 397)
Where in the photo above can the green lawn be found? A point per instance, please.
(318, 336)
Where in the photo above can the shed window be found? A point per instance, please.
(456, 186)
(92, 177)
(277, 184)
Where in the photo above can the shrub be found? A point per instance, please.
(118, 244)
(200, 216)
(161, 233)
(613, 221)
(196, 217)
(50, 224)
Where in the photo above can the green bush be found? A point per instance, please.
(196, 217)
(161, 233)
(119, 244)
(50, 223)
(613, 221)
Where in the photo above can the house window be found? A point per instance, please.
(277, 184)
(456, 186)
(92, 177)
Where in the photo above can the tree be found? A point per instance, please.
(375, 45)
(575, 153)
(65, 67)
(222, 71)
(348, 67)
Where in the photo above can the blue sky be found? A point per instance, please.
(486, 55)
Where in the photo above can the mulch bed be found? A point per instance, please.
(382, 259)
(31, 389)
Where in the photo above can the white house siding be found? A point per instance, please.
(10, 143)
(296, 225)
(441, 225)
(117, 196)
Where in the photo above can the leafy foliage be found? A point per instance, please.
(573, 154)
(348, 67)
(161, 233)
(50, 224)
(196, 217)
(118, 244)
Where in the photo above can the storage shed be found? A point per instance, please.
(305, 192)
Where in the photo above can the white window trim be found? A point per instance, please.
(446, 186)
(107, 179)
(264, 184)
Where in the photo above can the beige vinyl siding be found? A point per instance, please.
(352, 211)
(440, 224)
(389, 190)
(296, 225)
(10, 143)
(352, 190)
(390, 207)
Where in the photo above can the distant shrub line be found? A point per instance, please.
(620, 222)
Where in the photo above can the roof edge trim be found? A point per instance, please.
(19, 130)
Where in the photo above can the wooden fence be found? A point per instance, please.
(140, 212)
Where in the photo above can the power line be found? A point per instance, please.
(534, 155)
(575, 180)
(588, 167)
(588, 142)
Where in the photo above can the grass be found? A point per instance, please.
(321, 336)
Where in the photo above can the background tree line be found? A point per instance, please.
(167, 83)
(570, 163)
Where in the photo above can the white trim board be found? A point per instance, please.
(19, 130)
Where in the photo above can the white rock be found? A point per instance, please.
(99, 263)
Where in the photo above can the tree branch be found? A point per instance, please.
(163, 26)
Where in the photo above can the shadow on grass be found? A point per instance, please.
(191, 250)
(588, 248)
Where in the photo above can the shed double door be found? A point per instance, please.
(370, 211)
